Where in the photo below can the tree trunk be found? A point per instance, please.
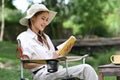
(3, 23)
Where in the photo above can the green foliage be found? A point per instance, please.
(70, 24)
(12, 15)
(99, 59)
(86, 17)
(90, 17)
(113, 22)
(12, 31)
(99, 30)
(8, 4)
(12, 26)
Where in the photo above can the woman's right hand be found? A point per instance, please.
(55, 54)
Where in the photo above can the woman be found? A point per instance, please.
(36, 44)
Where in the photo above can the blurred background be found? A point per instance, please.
(95, 23)
(84, 18)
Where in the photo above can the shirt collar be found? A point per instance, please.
(31, 33)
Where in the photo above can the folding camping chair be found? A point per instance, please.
(19, 56)
(65, 59)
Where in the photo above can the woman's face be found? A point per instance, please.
(40, 21)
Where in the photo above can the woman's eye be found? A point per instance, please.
(43, 18)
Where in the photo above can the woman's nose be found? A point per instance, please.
(45, 22)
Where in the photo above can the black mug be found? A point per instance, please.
(52, 66)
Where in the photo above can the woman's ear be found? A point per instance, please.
(32, 20)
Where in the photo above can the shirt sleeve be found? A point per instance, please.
(26, 50)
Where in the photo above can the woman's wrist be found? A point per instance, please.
(55, 54)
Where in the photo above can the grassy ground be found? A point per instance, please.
(10, 66)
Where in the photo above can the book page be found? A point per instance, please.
(65, 47)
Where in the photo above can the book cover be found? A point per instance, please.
(64, 48)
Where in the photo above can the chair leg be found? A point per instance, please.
(118, 77)
(24, 79)
(100, 76)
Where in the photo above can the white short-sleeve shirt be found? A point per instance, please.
(33, 48)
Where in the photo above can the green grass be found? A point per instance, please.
(8, 57)
(11, 71)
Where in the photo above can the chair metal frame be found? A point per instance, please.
(68, 77)
(71, 59)
(68, 59)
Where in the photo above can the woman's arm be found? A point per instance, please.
(29, 65)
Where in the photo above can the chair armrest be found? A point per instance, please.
(76, 58)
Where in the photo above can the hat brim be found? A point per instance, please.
(24, 21)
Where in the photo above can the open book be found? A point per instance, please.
(64, 48)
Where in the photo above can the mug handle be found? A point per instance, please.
(111, 58)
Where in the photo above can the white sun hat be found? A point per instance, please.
(33, 10)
